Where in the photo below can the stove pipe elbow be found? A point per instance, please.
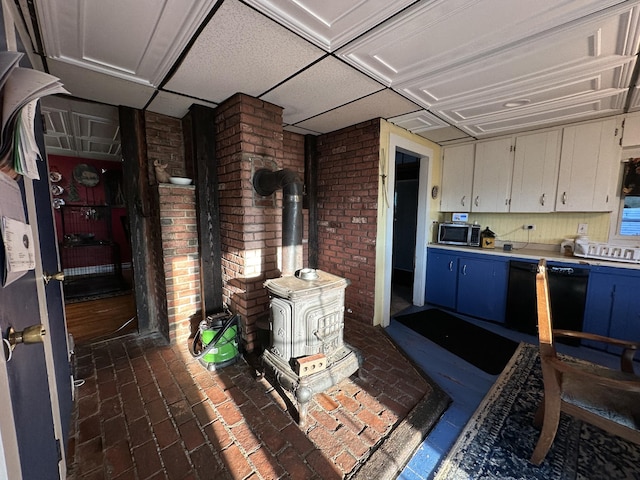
(265, 183)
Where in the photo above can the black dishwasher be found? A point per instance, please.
(567, 292)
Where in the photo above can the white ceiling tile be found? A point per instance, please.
(81, 129)
(330, 23)
(240, 50)
(534, 94)
(605, 103)
(634, 103)
(435, 35)
(148, 37)
(383, 104)
(88, 84)
(444, 135)
(60, 145)
(535, 65)
(325, 85)
(419, 121)
(172, 105)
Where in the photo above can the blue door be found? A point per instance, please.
(38, 375)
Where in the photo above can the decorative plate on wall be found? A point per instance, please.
(86, 175)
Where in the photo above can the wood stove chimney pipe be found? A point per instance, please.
(265, 183)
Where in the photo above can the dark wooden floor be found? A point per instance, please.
(102, 318)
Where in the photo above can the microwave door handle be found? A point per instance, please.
(462, 200)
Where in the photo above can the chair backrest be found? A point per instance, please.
(545, 323)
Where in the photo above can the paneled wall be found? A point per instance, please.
(551, 228)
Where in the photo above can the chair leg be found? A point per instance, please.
(551, 411)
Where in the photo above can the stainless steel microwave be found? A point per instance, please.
(459, 234)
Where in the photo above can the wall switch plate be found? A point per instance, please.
(582, 228)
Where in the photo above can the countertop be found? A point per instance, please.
(538, 251)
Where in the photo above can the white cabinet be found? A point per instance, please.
(457, 178)
(535, 172)
(492, 176)
(631, 133)
(589, 154)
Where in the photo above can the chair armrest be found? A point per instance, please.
(564, 367)
(629, 348)
(597, 338)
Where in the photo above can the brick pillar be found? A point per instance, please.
(249, 136)
(179, 233)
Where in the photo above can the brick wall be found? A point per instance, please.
(347, 211)
(165, 143)
(177, 236)
(179, 233)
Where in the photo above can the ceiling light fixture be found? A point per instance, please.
(516, 103)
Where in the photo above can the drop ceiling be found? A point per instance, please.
(448, 70)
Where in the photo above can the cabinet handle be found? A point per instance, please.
(464, 269)
(451, 265)
(564, 198)
(476, 200)
(462, 200)
(542, 200)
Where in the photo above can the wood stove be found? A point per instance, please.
(307, 353)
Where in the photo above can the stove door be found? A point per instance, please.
(281, 328)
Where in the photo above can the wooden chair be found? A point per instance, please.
(604, 397)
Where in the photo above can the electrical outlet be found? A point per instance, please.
(582, 228)
(528, 226)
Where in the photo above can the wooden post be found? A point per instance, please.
(144, 225)
(200, 142)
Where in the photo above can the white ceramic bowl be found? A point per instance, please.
(180, 180)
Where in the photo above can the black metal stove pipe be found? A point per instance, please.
(266, 182)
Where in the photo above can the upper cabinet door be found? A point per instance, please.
(492, 176)
(457, 178)
(535, 172)
(589, 154)
(631, 135)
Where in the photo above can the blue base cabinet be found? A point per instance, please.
(442, 278)
(482, 287)
(472, 284)
(613, 305)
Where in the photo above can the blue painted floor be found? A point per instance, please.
(466, 385)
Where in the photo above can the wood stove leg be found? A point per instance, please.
(303, 394)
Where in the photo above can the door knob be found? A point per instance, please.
(56, 276)
(30, 335)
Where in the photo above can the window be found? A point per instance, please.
(626, 229)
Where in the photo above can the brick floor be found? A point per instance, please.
(149, 411)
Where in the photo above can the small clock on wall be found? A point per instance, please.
(434, 191)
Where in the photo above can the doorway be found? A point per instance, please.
(386, 210)
(405, 211)
(92, 230)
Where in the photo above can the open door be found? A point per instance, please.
(36, 382)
